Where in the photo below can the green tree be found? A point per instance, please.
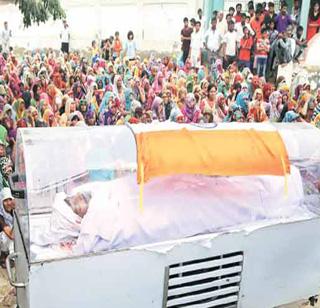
(37, 11)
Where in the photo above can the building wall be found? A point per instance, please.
(156, 24)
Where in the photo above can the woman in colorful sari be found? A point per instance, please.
(257, 112)
(119, 90)
(112, 115)
(49, 118)
(91, 118)
(78, 91)
(190, 111)
(275, 101)
(70, 107)
(149, 94)
(158, 83)
(210, 101)
(83, 107)
(158, 109)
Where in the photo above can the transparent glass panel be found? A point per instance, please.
(83, 196)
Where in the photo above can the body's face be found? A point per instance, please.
(186, 23)
(6, 25)
(78, 204)
(316, 7)
(238, 9)
(214, 24)
(197, 27)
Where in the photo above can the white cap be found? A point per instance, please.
(6, 194)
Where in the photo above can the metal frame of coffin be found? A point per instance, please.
(263, 264)
(263, 267)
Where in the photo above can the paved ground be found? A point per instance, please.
(7, 293)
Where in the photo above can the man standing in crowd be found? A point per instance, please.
(238, 16)
(230, 45)
(283, 20)
(256, 23)
(186, 39)
(240, 25)
(284, 52)
(65, 37)
(270, 16)
(262, 51)
(222, 25)
(246, 44)
(6, 34)
(202, 19)
(196, 45)
(212, 42)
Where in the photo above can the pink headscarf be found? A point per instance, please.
(157, 88)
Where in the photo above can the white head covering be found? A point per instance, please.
(6, 194)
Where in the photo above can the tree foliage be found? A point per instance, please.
(38, 11)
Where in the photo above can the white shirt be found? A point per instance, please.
(65, 35)
(196, 41)
(131, 49)
(5, 39)
(231, 39)
(222, 26)
(239, 29)
(293, 46)
(213, 39)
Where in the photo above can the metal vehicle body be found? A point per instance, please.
(262, 263)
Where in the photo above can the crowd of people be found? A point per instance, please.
(238, 70)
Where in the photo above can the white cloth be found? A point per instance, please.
(231, 40)
(131, 49)
(64, 224)
(286, 70)
(196, 45)
(222, 26)
(6, 244)
(5, 39)
(65, 34)
(213, 39)
(182, 206)
(239, 29)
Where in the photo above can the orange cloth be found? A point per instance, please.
(219, 152)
